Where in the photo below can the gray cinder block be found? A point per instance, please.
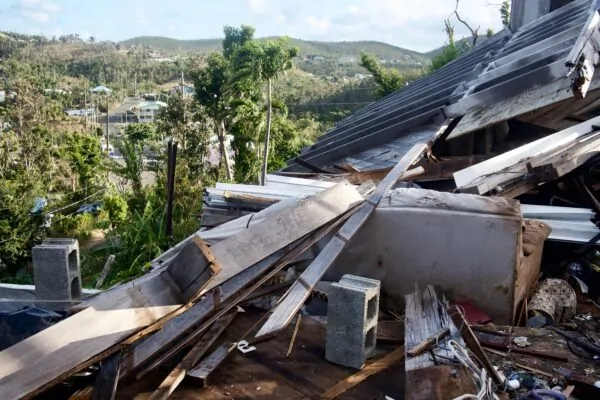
(56, 270)
(352, 312)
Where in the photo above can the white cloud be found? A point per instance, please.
(257, 6)
(414, 24)
(37, 16)
(317, 25)
(353, 9)
(280, 18)
(40, 11)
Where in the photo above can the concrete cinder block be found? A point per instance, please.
(56, 270)
(352, 312)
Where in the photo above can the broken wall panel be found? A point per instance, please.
(440, 239)
(488, 175)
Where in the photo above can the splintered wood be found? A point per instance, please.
(427, 316)
(164, 301)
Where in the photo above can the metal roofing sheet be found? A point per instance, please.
(392, 117)
(502, 67)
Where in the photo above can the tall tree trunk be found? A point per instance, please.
(263, 171)
(224, 153)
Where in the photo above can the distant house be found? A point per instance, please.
(187, 90)
(57, 91)
(81, 112)
(346, 60)
(100, 89)
(147, 110)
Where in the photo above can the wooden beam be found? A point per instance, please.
(218, 299)
(291, 302)
(248, 247)
(369, 370)
(170, 383)
(200, 373)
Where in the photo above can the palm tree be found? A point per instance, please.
(258, 62)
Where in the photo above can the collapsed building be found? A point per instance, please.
(449, 222)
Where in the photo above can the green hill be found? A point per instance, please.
(307, 48)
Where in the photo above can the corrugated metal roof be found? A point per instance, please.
(395, 116)
(504, 66)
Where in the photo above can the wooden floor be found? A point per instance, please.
(269, 375)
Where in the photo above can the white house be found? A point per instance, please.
(147, 110)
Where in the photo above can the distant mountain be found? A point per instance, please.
(307, 48)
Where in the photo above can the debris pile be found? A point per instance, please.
(438, 244)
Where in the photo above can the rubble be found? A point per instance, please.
(467, 201)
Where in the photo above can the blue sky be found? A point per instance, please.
(413, 24)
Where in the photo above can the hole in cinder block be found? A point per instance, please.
(73, 261)
(372, 308)
(370, 339)
(75, 288)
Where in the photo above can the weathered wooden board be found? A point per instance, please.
(250, 246)
(371, 369)
(56, 352)
(425, 316)
(170, 383)
(200, 373)
(301, 289)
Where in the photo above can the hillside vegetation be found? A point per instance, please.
(306, 47)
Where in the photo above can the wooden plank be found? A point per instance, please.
(528, 101)
(489, 174)
(371, 369)
(170, 383)
(105, 271)
(425, 316)
(427, 343)
(105, 386)
(248, 247)
(199, 374)
(40, 361)
(174, 329)
(291, 302)
(191, 280)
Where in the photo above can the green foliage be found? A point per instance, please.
(84, 156)
(387, 80)
(505, 12)
(74, 226)
(140, 132)
(116, 207)
(450, 53)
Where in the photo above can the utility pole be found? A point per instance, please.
(107, 134)
(171, 163)
(182, 86)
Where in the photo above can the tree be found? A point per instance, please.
(387, 80)
(450, 51)
(505, 12)
(83, 153)
(258, 62)
(210, 84)
(140, 132)
(235, 38)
